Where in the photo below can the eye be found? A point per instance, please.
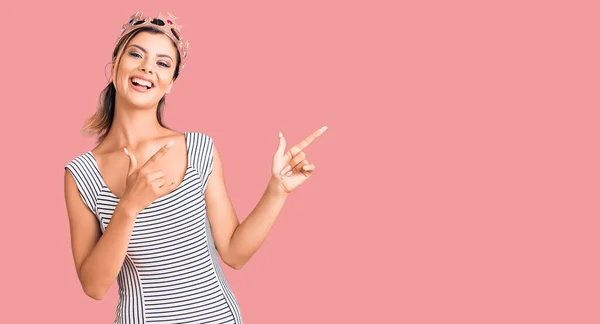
(164, 64)
(134, 54)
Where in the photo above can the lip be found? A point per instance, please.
(136, 88)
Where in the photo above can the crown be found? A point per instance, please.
(166, 24)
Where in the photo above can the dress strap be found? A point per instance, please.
(201, 155)
(88, 179)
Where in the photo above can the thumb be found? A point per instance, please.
(281, 146)
(132, 162)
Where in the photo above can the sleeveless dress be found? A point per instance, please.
(171, 273)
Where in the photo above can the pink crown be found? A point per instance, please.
(166, 24)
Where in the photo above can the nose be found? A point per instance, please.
(146, 68)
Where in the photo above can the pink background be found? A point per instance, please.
(458, 181)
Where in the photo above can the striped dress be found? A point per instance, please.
(171, 273)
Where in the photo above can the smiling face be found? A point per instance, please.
(146, 68)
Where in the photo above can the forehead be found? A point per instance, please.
(154, 43)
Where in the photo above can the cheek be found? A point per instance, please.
(164, 79)
(126, 64)
(121, 72)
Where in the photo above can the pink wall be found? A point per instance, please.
(458, 181)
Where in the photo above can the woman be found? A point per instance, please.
(148, 205)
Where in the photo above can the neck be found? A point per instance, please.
(133, 125)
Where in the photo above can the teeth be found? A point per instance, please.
(142, 82)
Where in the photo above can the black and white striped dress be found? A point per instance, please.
(171, 273)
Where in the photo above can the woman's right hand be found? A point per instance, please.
(146, 184)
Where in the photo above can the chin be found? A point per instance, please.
(143, 103)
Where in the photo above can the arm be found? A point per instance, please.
(98, 257)
(237, 242)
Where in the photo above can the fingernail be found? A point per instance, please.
(324, 128)
(126, 152)
(280, 134)
(170, 144)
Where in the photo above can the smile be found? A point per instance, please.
(140, 85)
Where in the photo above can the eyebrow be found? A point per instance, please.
(143, 50)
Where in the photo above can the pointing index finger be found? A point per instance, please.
(160, 153)
(307, 141)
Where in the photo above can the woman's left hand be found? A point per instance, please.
(291, 168)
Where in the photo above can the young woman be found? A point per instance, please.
(148, 205)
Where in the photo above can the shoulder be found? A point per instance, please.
(200, 144)
(199, 141)
(198, 136)
(80, 161)
(83, 169)
(201, 154)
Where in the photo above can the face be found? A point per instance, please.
(145, 72)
